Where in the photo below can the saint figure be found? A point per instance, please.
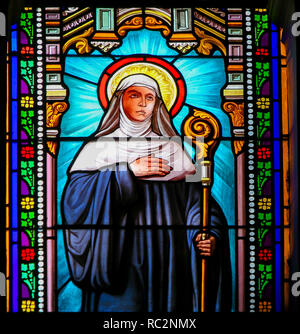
(133, 239)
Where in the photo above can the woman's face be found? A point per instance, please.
(138, 103)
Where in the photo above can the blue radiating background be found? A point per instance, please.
(204, 78)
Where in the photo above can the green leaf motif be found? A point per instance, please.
(27, 173)
(264, 277)
(28, 276)
(261, 26)
(27, 123)
(27, 25)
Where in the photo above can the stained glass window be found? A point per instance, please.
(222, 76)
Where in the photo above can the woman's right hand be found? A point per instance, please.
(150, 166)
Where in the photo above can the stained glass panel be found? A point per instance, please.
(219, 74)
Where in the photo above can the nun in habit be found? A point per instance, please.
(125, 178)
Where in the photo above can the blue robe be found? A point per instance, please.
(128, 268)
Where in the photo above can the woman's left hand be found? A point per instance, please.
(207, 246)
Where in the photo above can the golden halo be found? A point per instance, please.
(166, 82)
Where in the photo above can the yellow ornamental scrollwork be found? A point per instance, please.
(81, 42)
(205, 125)
(153, 23)
(54, 111)
(236, 112)
(238, 146)
(207, 42)
(134, 23)
(137, 22)
(52, 147)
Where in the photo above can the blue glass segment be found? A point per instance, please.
(277, 198)
(276, 124)
(14, 236)
(14, 156)
(14, 40)
(275, 79)
(87, 68)
(14, 120)
(178, 119)
(14, 201)
(14, 77)
(274, 44)
(83, 98)
(276, 147)
(144, 42)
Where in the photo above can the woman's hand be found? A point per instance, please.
(206, 246)
(150, 166)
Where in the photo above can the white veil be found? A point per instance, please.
(120, 139)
